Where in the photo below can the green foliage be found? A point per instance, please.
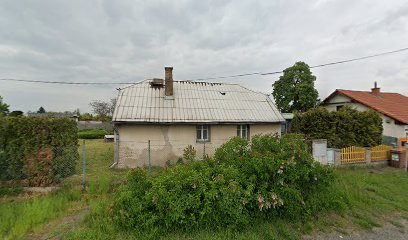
(86, 117)
(189, 153)
(272, 177)
(41, 110)
(16, 113)
(37, 149)
(91, 134)
(295, 90)
(344, 128)
(4, 108)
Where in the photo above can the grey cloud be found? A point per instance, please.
(105, 41)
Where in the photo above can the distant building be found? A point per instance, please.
(54, 115)
(392, 107)
(174, 114)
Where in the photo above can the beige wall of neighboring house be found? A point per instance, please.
(389, 126)
(167, 142)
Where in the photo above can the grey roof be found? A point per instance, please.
(194, 102)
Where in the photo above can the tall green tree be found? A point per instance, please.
(4, 108)
(295, 89)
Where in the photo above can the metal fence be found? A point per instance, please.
(39, 166)
(163, 152)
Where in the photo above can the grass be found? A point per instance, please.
(24, 214)
(370, 196)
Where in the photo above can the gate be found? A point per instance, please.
(353, 154)
(380, 153)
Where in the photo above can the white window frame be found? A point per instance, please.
(243, 131)
(200, 129)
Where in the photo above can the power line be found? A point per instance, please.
(210, 78)
(62, 82)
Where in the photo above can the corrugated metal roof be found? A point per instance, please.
(194, 102)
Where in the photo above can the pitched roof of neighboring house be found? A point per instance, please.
(393, 105)
(52, 114)
(194, 102)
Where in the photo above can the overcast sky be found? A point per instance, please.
(128, 41)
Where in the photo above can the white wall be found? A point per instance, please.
(167, 142)
(389, 126)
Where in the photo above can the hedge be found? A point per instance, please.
(91, 134)
(271, 177)
(343, 128)
(37, 151)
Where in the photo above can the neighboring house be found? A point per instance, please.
(175, 114)
(82, 125)
(54, 115)
(392, 107)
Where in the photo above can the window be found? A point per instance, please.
(243, 131)
(203, 133)
(338, 107)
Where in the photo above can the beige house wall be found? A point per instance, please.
(167, 142)
(389, 126)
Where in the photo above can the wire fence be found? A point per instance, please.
(164, 153)
(39, 166)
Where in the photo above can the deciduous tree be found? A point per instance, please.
(295, 89)
(103, 109)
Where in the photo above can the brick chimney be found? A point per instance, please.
(168, 81)
(375, 90)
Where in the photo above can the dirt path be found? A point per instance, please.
(398, 231)
(56, 228)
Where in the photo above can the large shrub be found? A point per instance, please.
(40, 151)
(271, 177)
(91, 134)
(343, 128)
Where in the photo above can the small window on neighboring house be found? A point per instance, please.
(203, 133)
(387, 120)
(338, 107)
(243, 131)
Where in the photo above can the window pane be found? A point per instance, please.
(198, 134)
(205, 134)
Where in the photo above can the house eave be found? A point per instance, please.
(116, 123)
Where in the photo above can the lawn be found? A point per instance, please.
(371, 196)
(27, 213)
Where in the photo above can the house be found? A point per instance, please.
(392, 107)
(54, 115)
(159, 118)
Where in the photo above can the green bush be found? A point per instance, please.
(91, 134)
(273, 176)
(189, 153)
(343, 128)
(38, 150)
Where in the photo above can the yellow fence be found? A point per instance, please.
(380, 153)
(353, 154)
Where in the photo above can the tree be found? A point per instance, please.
(103, 109)
(295, 89)
(16, 113)
(41, 110)
(4, 108)
(86, 117)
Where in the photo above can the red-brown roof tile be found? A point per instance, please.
(393, 105)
